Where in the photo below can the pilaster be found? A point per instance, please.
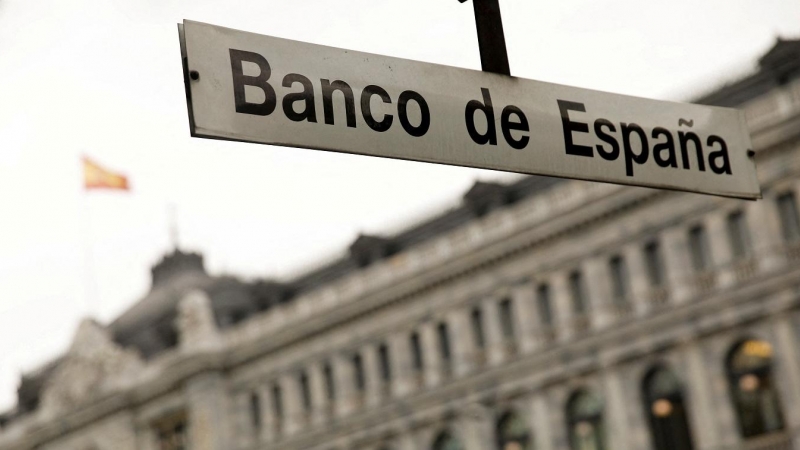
(763, 221)
(617, 415)
(495, 345)
(677, 264)
(400, 356)
(431, 354)
(562, 305)
(523, 300)
(462, 342)
(207, 408)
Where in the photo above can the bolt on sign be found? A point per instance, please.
(248, 87)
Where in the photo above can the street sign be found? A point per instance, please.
(248, 87)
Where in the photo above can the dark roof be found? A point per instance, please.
(778, 66)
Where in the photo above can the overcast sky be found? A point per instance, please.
(103, 78)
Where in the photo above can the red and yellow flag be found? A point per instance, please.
(96, 177)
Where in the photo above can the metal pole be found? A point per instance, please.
(491, 40)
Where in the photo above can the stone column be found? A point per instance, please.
(146, 437)
(721, 251)
(700, 402)
(431, 354)
(787, 367)
(475, 428)
(564, 313)
(556, 401)
(372, 375)
(763, 222)
(320, 403)
(523, 300)
(292, 404)
(495, 346)
(638, 430)
(462, 341)
(678, 264)
(406, 440)
(400, 356)
(542, 432)
(344, 379)
(207, 408)
(724, 413)
(601, 308)
(615, 407)
(268, 419)
(639, 283)
(245, 432)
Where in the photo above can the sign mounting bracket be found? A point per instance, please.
(491, 40)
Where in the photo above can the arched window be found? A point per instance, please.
(512, 433)
(446, 441)
(752, 389)
(585, 422)
(663, 404)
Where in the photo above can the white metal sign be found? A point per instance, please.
(254, 88)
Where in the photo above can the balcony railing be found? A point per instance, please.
(509, 347)
(621, 308)
(774, 441)
(580, 323)
(547, 334)
(386, 389)
(446, 369)
(793, 251)
(418, 379)
(659, 296)
(704, 281)
(745, 269)
(479, 357)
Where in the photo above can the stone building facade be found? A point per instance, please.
(544, 314)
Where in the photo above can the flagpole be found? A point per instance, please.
(173, 225)
(89, 280)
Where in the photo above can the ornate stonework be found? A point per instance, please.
(94, 365)
(196, 324)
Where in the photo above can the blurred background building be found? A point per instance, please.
(545, 314)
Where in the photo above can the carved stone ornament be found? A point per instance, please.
(198, 329)
(94, 365)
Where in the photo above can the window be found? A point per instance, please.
(477, 327)
(698, 246)
(506, 319)
(749, 367)
(171, 432)
(444, 342)
(790, 223)
(277, 403)
(585, 422)
(543, 304)
(305, 392)
(654, 263)
(416, 352)
(255, 411)
(578, 292)
(386, 364)
(358, 373)
(619, 279)
(738, 236)
(512, 432)
(665, 410)
(330, 386)
(446, 441)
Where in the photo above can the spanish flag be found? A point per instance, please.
(96, 177)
